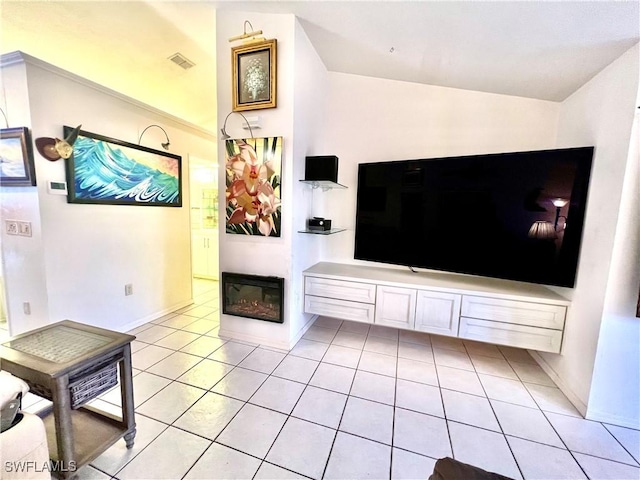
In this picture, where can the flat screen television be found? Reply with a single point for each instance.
(516, 216)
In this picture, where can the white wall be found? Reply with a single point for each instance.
(372, 119)
(259, 255)
(600, 113)
(89, 252)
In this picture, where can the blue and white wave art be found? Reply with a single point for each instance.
(108, 174)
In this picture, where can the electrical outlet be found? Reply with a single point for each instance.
(24, 229)
(11, 227)
(128, 289)
(26, 308)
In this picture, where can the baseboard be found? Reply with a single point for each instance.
(614, 419)
(254, 339)
(302, 331)
(153, 316)
(572, 397)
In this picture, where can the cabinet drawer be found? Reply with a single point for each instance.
(511, 311)
(520, 336)
(323, 287)
(343, 309)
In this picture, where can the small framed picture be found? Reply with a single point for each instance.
(254, 76)
(16, 158)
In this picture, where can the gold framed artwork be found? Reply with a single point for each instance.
(254, 75)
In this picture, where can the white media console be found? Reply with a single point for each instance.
(484, 309)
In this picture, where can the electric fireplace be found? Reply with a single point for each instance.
(253, 296)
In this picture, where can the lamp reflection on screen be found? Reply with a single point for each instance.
(542, 230)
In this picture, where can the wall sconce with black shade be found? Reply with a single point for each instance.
(223, 130)
(164, 145)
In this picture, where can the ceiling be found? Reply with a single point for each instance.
(537, 49)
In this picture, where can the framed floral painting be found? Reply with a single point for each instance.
(254, 76)
(253, 170)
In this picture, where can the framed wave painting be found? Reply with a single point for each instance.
(107, 171)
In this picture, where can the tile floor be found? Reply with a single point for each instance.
(348, 401)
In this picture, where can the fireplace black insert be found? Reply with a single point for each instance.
(253, 296)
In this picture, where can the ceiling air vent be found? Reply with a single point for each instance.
(181, 61)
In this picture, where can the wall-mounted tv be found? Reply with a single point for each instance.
(516, 216)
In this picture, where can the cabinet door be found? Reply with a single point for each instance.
(395, 307)
(437, 312)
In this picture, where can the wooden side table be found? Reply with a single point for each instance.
(71, 363)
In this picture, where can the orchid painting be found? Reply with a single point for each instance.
(253, 186)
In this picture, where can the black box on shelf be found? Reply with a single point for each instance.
(319, 224)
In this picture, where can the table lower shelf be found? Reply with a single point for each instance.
(93, 433)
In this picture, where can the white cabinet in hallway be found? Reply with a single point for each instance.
(204, 251)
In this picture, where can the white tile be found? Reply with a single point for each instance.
(153, 334)
(232, 353)
(278, 394)
(220, 462)
(146, 357)
(201, 326)
(118, 455)
(89, 473)
(354, 457)
(417, 371)
(309, 349)
(320, 406)
(542, 462)
(378, 363)
(497, 367)
(344, 356)
(203, 346)
(199, 311)
(272, 472)
(302, 447)
(511, 391)
(530, 373)
(262, 360)
(174, 365)
(177, 340)
(482, 448)
(447, 343)
(205, 374)
(240, 383)
(368, 419)
(333, 377)
(459, 380)
(598, 468)
(421, 433)
(519, 355)
(452, 358)
(137, 346)
(484, 349)
(328, 322)
(171, 402)
(168, 457)
(178, 321)
(209, 415)
(386, 346)
(252, 430)
(413, 351)
(527, 423)
(320, 334)
(215, 333)
(141, 328)
(589, 437)
(419, 397)
(296, 368)
(355, 327)
(629, 438)
(349, 339)
(372, 386)
(420, 338)
(410, 466)
(469, 409)
(384, 332)
(551, 399)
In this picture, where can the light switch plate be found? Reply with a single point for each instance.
(24, 229)
(11, 227)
